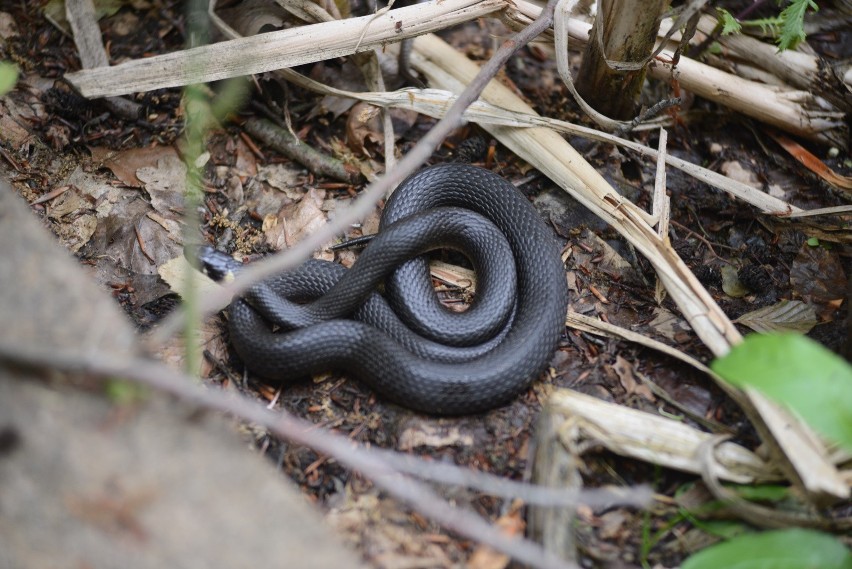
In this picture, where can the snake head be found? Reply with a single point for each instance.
(217, 265)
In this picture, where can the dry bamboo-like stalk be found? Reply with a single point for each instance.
(795, 68)
(326, 40)
(785, 109)
(794, 443)
(652, 438)
(435, 102)
(625, 34)
(779, 108)
(276, 50)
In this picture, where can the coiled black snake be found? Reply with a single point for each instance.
(405, 345)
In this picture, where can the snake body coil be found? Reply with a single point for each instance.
(409, 348)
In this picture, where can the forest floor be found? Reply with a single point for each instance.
(106, 187)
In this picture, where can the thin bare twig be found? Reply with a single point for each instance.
(417, 495)
(361, 207)
(290, 146)
(532, 494)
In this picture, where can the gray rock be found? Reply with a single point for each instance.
(88, 482)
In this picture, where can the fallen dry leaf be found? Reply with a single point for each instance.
(294, 221)
(624, 370)
(811, 162)
(817, 276)
(670, 325)
(246, 161)
(512, 525)
(74, 216)
(166, 184)
(125, 163)
(784, 316)
(364, 132)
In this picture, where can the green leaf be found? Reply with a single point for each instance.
(764, 492)
(813, 241)
(8, 77)
(725, 529)
(730, 25)
(783, 549)
(793, 27)
(798, 372)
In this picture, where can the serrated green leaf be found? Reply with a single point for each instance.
(730, 25)
(785, 316)
(793, 26)
(799, 373)
(782, 549)
(8, 77)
